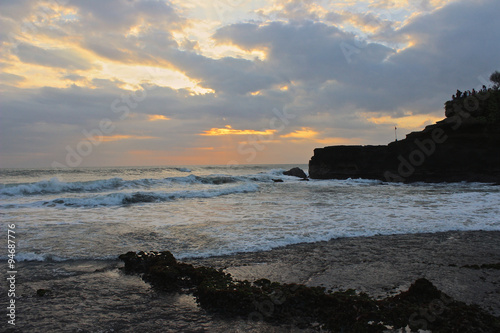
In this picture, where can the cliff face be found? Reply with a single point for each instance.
(463, 147)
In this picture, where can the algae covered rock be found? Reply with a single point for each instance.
(423, 306)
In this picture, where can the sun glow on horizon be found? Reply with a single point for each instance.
(410, 121)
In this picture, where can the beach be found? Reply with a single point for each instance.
(91, 296)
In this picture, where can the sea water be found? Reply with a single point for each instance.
(200, 211)
(71, 224)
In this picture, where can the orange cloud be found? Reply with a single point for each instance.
(228, 130)
(202, 148)
(304, 133)
(339, 141)
(156, 117)
(410, 121)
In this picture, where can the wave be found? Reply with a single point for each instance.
(31, 256)
(183, 169)
(54, 185)
(117, 199)
(48, 257)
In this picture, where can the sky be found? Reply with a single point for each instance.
(229, 82)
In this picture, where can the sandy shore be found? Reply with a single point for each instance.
(382, 265)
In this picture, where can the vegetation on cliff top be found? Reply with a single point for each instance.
(482, 106)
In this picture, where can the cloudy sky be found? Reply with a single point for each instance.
(146, 82)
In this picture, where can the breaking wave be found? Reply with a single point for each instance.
(115, 199)
(56, 186)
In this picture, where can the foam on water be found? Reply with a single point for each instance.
(114, 199)
(216, 210)
(55, 185)
(30, 256)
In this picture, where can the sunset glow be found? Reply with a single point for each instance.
(228, 130)
(304, 133)
(170, 76)
(156, 117)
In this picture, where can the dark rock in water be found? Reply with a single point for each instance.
(465, 146)
(297, 172)
(278, 180)
(423, 306)
(139, 198)
(42, 292)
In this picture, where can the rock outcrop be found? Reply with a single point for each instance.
(296, 172)
(465, 146)
(422, 306)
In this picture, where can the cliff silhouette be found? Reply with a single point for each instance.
(464, 146)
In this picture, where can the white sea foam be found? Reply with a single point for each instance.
(217, 210)
(124, 198)
(30, 256)
(54, 185)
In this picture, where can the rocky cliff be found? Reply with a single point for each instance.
(465, 146)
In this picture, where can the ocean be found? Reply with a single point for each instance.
(71, 225)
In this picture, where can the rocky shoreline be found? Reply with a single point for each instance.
(382, 265)
(91, 296)
(389, 279)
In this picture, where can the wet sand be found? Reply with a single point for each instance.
(382, 265)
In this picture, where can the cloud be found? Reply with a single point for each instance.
(226, 75)
(11, 78)
(118, 137)
(302, 51)
(156, 117)
(340, 88)
(58, 58)
(228, 130)
(121, 15)
(73, 77)
(303, 133)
